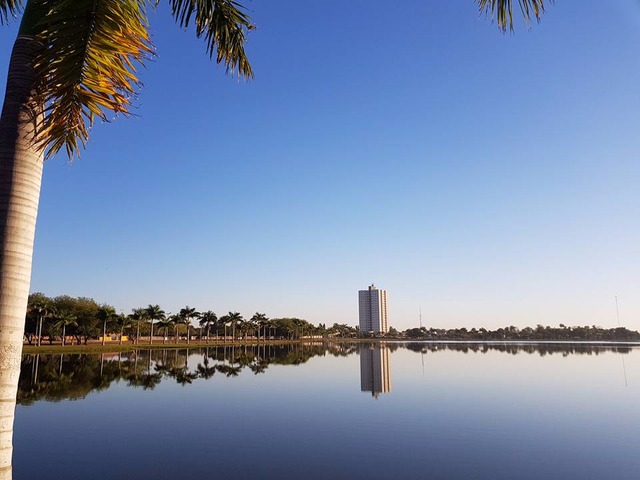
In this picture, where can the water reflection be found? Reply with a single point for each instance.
(542, 349)
(375, 375)
(54, 378)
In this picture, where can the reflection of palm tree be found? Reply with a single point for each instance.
(203, 369)
(65, 319)
(229, 370)
(147, 382)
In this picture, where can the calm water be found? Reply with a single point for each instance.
(403, 411)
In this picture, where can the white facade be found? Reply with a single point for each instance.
(373, 310)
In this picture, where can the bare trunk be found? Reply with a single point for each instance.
(104, 332)
(64, 329)
(20, 178)
(40, 331)
(151, 334)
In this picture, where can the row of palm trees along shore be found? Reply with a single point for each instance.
(67, 320)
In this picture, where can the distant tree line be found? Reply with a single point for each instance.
(540, 333)
(65, 319)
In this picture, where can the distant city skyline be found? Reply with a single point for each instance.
(490, 178)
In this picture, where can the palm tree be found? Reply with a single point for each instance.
(106, 313)
(65, 319)
(260, 320)
(206, 319)
(154, 312)
(224, 320)
(123, 321)
(73, 62)
(138, 315)
(187, 313)
(234, 318)
(164, 325)
(43, 310)
(175, 320)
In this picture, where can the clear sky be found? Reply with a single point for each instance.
(489, 179)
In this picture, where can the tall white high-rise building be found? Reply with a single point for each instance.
(373, 310)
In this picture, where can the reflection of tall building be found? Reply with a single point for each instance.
(373, 310)
(375, 376)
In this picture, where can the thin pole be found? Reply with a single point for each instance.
(624, 367)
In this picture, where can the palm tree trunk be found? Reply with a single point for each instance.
(64, 329)
(40, 331)
(138, 334)
(21, 164)
(151, 334)
(104, 332)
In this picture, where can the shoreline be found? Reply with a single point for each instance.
(129, 346)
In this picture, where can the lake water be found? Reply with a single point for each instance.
(344, 411)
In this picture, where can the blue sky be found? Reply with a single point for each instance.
(490, 179)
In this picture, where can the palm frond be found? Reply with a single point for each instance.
(224, 25)
(502, 10)
(88, 63)
(9, 9)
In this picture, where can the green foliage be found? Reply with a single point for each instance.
(9, 9)
(540, 333)
(502, 10)
(224, 24)
(90, 52)
(82, 316)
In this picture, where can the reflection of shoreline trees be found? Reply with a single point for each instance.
(514, 348)
(71, 377)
